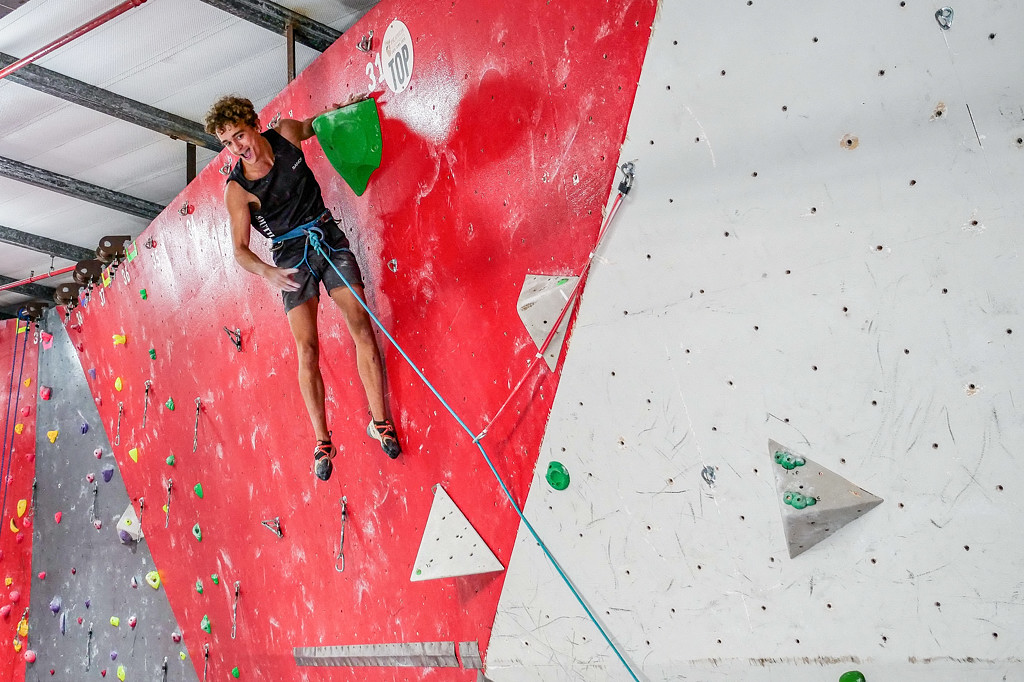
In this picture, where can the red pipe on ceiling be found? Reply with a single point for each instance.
(67, 38)
(69, 268)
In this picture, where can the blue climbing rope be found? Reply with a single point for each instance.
(314, 240)
(8, 452)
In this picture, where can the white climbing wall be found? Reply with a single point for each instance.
(822, 248)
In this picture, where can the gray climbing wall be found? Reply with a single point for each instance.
(822, 248)
(86, 567)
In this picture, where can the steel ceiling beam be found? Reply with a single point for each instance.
(33, 290)
(274, 17)
(52, 247)
(106, 102)
(39, 177)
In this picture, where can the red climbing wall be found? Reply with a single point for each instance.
(498, 159)
(16, 548)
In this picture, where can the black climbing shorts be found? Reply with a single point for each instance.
(316, 269)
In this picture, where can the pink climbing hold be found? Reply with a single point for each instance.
(26, 411)
(42, 575)
(30, 656)
(98, 452)
(45, 392)
(97, 524)
(14, 596)
(133, 621)
(5, 610)
(90, 477)
(56, 517)
(176, 636)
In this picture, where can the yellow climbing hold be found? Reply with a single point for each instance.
(14, 529)
(181, 655)
(17, 645)
(8, 581)
(19, 428)
(22, 506)
(23, 627)
(28, 382)
(115, 621)
(134, 454)
(120, 339)
(153, 580)
(120, 673)
(118, 384)
(52, 435)
(165, 508)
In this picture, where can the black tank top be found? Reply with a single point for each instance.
(289, 194)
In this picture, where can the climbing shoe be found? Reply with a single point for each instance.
(384, 431)
(322, 456)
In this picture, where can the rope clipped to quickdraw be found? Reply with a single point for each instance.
(314, 241)
(8, 444)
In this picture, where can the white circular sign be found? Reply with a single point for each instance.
(396, 56)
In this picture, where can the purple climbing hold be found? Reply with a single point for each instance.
(55, 605)
(85, 428)
(125, 537)
(87, 603)
(108, 473)
(92, 373)
(113, 655)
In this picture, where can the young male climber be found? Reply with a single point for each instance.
(272, 189)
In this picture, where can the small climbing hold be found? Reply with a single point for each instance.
(42, 575)
(80, 620)
(175, 636)
(120, 339)
(132, 622)
(14, 529)
(170, 404)
(19, 428)
(205, 625)
(152, 353)
(8, 581)
(73, 570)
(181, 655)
(22, 507)
(788, 461)
(852, 676)
(197, 532)
(125, 538)
(5, 610)
(234, 672)
(97, 524)
(88, 603)
(23, 627)
(134, 454)
(98, 453)
(115, 621)
(143, 294)
(120, 673)
(85, 428)
(199, 585)
(26, 411)
(557, 476)
(14, 596)
(52, 435)
(57, 517)
(113, 655)
(92, 373)
(108, 473)
(153, 580)
(29, 656)
(28, 382)
(45, 392)
(170, 460)
(135, 581)
(103, 673)
(55, 605)
(198, 489)
(215, 578)
(118, 384)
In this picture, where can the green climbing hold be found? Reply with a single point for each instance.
(143, 294)
(152, 353)
(198, 489)
(558, 476)
(197, 532)
(351, 140)
(215, 578)
(811, 501)
(789, 461)
(562, 281)
(170, 460)
(798, 501)
(852, 676)
(206, 624)
(170, 404)
(199, 585)
(234, 672)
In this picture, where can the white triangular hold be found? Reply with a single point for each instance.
(541, 301)
(815, 501)
(451, 546)
(129, 523)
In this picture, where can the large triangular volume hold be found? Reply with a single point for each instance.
(451, 546)
(540, 303)
(815, 501)
(352, 142)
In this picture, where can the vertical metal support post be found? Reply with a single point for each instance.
(289, 41)
(190, 162)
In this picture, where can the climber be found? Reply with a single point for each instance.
(272, 189)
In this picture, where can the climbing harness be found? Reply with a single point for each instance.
(236, 338)
(339, 561)
(234, 608)
(310, 231)
(274, 525)
(167, 507)
(314, 240)
(145, 404)
(120, 411)
(195, 431)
